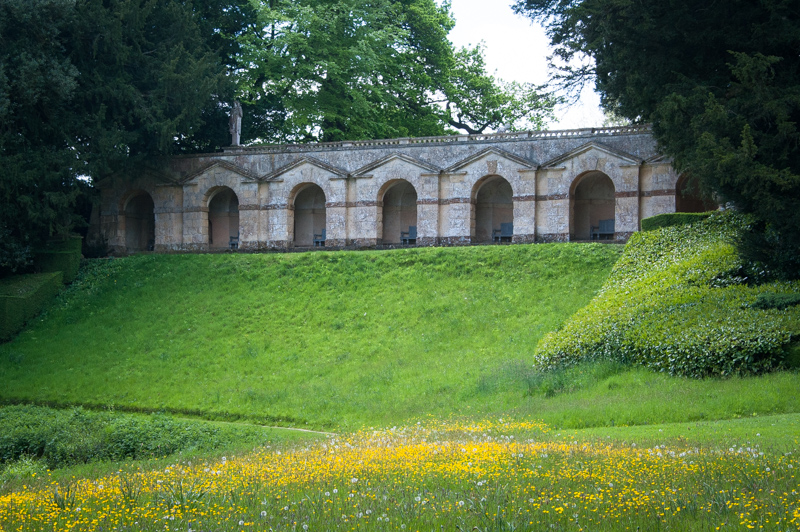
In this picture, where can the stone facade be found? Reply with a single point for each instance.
(552, 185)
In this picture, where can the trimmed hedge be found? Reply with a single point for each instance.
(673, 219)
(60, 256)
(676, 302)
(74, 436)
(66, 262)
(71, 244)
(22, 297)
(779, 301)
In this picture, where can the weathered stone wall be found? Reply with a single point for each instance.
(542, 169)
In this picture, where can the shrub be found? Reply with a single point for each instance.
(60, 256)
(65, 437)
(665, 306)
(770, 300)
(22, 297)
(672, 219)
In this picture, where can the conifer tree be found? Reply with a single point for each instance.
(721, 84)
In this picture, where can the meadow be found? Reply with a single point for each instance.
(418, 364)
(499, 474)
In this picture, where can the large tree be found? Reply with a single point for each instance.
(719, 81)
(90, 87)
(349, 69)
(475, 101)
(37, 83)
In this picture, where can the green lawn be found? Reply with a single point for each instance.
(439, 338)
(337, 339)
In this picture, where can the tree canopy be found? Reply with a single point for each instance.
(90, 87)
(721, 84)
(348, 69)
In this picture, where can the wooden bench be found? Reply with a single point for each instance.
(605, 229)
(410, 236)
(504, 234)
(319, 240)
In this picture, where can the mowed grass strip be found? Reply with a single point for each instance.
(609, 394)
(320, 339)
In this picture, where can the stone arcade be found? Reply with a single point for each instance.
(551, 185)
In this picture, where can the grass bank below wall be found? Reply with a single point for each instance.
(314, 339)
(679, 301)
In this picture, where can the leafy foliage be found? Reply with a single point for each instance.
(74, 436)
(769, 300)
(344, 69)
(37, 85)
(24, 296)
(475, 100)
(676, 302)
(721, 84)
(147, 71)
(673, 218)
(90, 88)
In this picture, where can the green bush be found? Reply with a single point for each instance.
(70, 244)
(669, 305)
(60, 256)
(770, 300)
(66, 262)
(673, 219)
(22, 297)
(64, 437)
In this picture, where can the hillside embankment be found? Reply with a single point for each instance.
(316, 340)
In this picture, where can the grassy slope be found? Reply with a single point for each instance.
(325, 339)
(638, 396)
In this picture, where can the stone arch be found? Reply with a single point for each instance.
(308, 213)
(492, 204)
(591, 200)
(223, 217)
(688, 197)
(397, 210)
(139, 221)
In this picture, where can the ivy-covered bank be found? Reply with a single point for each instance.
(678, 301)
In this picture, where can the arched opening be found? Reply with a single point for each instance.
(494, 211)
(688, 197)
(140, 223)
(399, 212)
(309, 216)
(223, 219)
(592, 207)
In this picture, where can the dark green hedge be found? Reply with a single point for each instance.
(770, 300)
(66, 262)
(62, 255)
(672, 304)
(71, 243)
(73, 436)
(23, 296)
(672, 219)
